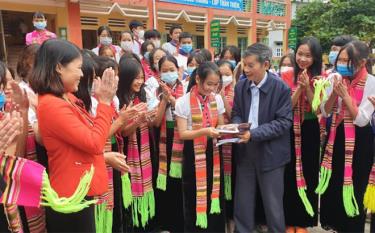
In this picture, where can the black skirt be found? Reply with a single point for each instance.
(332, 212)
(4, 226)
(294, 209)
(82, 221)
(169, 205)
(3, 220)
(215, 222)
(121, 218)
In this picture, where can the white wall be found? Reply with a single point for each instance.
(274, 36)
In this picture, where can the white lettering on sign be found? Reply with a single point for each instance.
(235, 5)
(215, 2)
(224, 3)
(202, 1)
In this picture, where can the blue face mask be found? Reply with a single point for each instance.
(343, 70)
(187, 48)
(233, 63)
(2, 100)
(169, 77)
(332, 57)
(190, 69)
(40, 25)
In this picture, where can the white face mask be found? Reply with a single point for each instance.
(285, 69)
(141, 34)
(157, 43)
(227, 80)
(127, 45)
(105, 40)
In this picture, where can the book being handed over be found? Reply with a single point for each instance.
(228, 129)
(233, 129)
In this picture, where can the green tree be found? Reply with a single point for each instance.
(327, 20)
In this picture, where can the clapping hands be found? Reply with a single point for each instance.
(105, 88)
(10, 127)
(304, 80)
(340, 88)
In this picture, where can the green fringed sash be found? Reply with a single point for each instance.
(305, 201)
(325, 177)
(320, 86)
(201, 220)
(175, 170)
(126, 190)
(71, 204)
(143, 206)
(103, 218)
(215, 206)
(227, 187)
(161, 182)
(350, 203)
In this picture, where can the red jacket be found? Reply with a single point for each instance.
(73, 144)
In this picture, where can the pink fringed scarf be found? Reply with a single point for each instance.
(139, 161)
(204, 114)
(298, 118)
(355, 90)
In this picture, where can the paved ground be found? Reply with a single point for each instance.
(311, 230)
(321, 230)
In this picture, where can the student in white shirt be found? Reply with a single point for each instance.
(186, 47)
(137, 28)
(351, 136)
(173, 45)
(152, 83)
(105, 38)
(198, 113)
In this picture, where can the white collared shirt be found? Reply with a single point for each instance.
(183, 109)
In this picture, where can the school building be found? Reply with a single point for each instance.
(242, 22)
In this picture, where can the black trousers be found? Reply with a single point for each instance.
(82, 221)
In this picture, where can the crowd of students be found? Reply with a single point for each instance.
(142, 119)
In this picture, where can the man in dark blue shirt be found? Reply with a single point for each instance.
(264, 101)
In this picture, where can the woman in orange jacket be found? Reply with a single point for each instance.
(73, 138)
